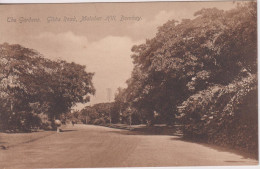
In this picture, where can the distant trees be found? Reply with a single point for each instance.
(120, 106)
(33, 84)
(98, 114)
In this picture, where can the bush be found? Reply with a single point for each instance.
(47, 126)
(21, 121)
(100, 121)
(224, 115)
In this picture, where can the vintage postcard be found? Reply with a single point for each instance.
(128, 84)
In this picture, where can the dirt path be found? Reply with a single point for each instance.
(94, 146)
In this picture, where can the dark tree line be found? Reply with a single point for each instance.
(201, 73)
(31, 85)
(98, 114)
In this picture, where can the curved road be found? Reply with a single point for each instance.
(95, 146)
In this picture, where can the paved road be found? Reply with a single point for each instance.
(94, 146)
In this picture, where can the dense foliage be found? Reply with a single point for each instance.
(223, 114)
(31, 84)
(205, 68)
(98, 114)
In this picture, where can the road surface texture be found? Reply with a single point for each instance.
(95, 146)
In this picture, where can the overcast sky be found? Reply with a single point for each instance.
(104, 47)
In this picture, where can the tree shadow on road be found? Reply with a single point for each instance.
(152, 130)
(67, 130)
(177, 136)
(220, 148)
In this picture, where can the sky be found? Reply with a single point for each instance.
(104, 45)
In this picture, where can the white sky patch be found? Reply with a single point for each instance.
(109, 58)
(65, 46)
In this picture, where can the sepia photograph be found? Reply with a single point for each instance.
(128, 84)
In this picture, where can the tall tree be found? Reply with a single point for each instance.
(187, 57)
(32, 83)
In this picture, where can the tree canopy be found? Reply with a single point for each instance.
(183, 58)
(202, 74)
(32, 83)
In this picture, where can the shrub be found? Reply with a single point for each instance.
(223, 114)
(21, 121)
(47, 125)
(100, 121)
